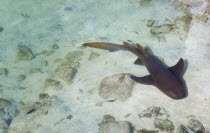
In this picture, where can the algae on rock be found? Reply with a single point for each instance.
(154, 112)
(162, 29)
(109, 125)
(164, 125)
(1, 29)
(21, 77)
(3, 126)
(35, 70)
(55, 46)
(202, 18)
(147, 131)
(25, 53)
(43, 96)
(66, 72)
(181, 7)
(3, 71)
(183, 23)
(4, 103)
(93, 55)
(73, 56)
(51, 82)
(150, 23)
(195, 125)
(145, 2)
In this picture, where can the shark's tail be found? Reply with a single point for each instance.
(107, 46)
(140, 52)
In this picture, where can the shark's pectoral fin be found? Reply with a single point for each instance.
(144, 80)
(178, 68)
(138, 61)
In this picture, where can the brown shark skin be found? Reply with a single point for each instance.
(164, 79)
(167, 80)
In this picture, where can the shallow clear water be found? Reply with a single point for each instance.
(50, 83)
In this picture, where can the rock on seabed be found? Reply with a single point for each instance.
(66, 72)
(162, 29)
(145, 2)
(118, 86)
(25, 53)
(164, 125)
(109, 125)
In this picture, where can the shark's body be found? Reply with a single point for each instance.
(168, 80)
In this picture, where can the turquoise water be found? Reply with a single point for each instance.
(51, 83)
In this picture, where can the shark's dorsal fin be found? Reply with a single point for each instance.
(141, 49)
(138, 61)
(147, 80)
(178, 68)
(128, 45)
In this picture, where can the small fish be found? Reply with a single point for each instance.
(111, 100)
(168, 80)
(31, 111)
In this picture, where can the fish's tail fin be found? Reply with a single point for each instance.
(114, 47)
(107, 46)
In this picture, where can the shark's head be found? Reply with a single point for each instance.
(178, 91)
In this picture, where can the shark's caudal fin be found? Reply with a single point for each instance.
(115, 47)
(107, 46)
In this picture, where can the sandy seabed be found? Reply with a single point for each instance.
(70, 23)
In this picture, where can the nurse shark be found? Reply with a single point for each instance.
(166, 79)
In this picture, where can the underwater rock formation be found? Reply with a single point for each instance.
(150, 23)
(66, 72)
(183, 23)
(208, 9)
(145, 2)
(109, 125)
(193, 125)
(181, 7)
(154, 112)
(1, 88)
(43, 96)
(25, 53)
(3, 126)
(29, 117)
(118, 86)
(202, 18)
(53, 83)
(3, 71)
(147, 131)
(1, 29)
(162, 29)
(55, 46)
(164, 125)
(35, 70)
(8, 111)
(21, 77)
(4, 103)
(68, 69)
(74, 56)
(192, 3)
(93, 55)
